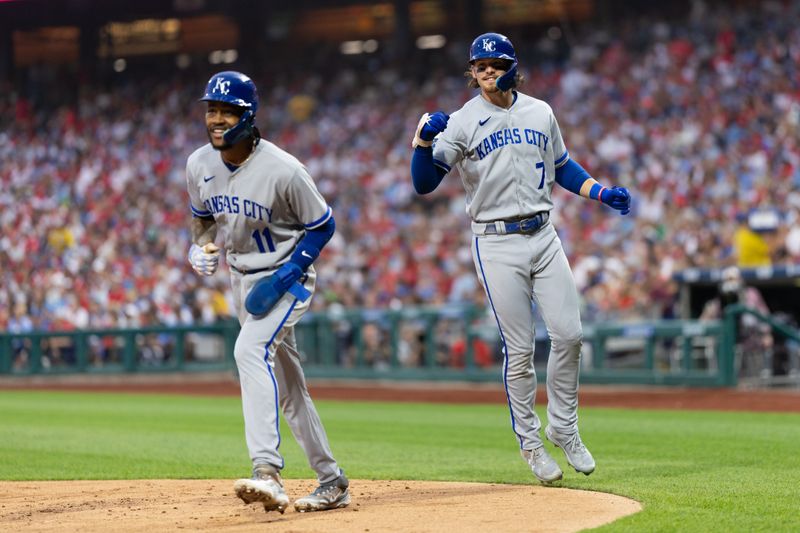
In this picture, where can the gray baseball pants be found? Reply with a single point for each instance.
(516, 270)
(270, 375)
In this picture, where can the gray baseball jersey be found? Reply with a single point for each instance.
(507, 159)
(262, 209)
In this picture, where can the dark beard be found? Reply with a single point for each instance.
(225, 146)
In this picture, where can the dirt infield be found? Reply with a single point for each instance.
(378, 506)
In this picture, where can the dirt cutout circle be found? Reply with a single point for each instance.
(377, 506)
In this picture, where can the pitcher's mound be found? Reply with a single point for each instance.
(377, 506)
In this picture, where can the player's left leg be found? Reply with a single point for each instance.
(557, 298)
(299, 410)
(302, 418)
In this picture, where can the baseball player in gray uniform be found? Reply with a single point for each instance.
(273, 224)
(509, 151)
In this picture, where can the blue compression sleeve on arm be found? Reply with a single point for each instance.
(572, 176)
(311, 244)
(425, 175)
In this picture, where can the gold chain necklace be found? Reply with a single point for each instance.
(246, 159)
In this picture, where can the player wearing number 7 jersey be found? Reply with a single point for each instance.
(508, 148)
(273, 223)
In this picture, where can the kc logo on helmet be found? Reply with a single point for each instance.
(221, 86)
(488, 45)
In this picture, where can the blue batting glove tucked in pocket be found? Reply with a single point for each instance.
(268, 291)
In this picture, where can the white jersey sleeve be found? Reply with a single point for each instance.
(560, 153)
(196, 204)
(306, 201)
(450, 146)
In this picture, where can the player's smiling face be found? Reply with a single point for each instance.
(486, 72)
(219, 118)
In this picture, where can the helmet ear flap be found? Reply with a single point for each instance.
(242, 130)
(508, 80)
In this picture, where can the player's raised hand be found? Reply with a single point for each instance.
(430, 125)
(436, 123)
(617, 198)
(205, 259)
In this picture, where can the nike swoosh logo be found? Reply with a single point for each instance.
(208, 178)
(484, 121)
(306, 254)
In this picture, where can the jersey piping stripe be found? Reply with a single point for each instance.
(441, 164)
(272, 375)
(505, 346)
(561, 160)
(200, 213)
(277, 414)
(320, 221)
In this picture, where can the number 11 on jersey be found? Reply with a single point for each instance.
(260, 243)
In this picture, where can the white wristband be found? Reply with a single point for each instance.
(418, 141)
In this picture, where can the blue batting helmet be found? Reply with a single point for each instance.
(495, 46)
(236, 89)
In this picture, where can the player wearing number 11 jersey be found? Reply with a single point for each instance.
(273, 223)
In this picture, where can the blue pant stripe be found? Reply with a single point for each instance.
(272, 376)
(277, 414)
(503, 340)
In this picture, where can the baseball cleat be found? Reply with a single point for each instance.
(578, 456)
(265, 487)
(331, 495)
(542, 464)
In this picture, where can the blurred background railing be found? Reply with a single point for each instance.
(447, 343)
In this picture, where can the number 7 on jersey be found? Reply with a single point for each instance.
(540, 164)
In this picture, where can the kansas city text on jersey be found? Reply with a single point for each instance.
(506, 136)
(222, 203)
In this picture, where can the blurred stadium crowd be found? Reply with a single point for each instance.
(699, 118)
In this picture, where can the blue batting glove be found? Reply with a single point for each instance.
(436, 123)
(617, 198)
(267, 291)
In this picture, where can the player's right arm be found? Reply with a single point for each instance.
(426, 175)
(203, 253)
(204, 230)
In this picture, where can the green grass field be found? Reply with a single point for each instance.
(693, 471)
